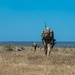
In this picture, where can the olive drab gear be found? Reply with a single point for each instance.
(48, 40)
(34, 45)
(47, 34)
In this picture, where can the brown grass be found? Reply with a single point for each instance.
(28, 62)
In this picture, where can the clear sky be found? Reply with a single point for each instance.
(23, 20)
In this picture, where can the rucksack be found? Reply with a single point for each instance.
(34, 44)
(47, 34)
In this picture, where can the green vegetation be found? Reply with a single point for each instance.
(9, 47)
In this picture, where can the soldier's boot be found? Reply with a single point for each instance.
(48, 49)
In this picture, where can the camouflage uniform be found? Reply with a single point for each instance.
(48, 43)
(34, 45)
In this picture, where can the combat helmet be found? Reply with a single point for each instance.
(48, 28)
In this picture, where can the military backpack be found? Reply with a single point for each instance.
(47, 34)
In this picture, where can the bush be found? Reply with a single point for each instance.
(9, 47)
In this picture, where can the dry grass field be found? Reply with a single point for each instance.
(27, 62)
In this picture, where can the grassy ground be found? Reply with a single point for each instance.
(27, 62)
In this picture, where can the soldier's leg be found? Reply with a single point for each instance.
(45, 48)
(48, 49)
(35, 48)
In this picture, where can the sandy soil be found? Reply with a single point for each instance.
(28, 62)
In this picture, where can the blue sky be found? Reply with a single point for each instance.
(23, 20)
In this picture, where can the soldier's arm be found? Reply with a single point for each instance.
(42, 40)
(52, 35)
(53, 40)
(42, 37)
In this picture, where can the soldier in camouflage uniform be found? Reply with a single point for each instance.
(34, 45)
(48, 40)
